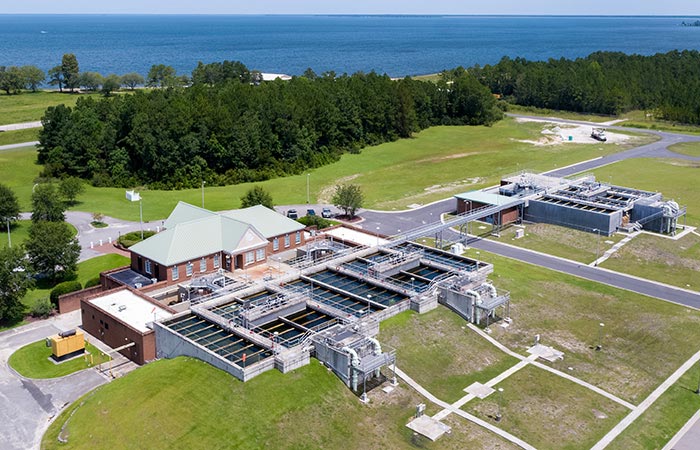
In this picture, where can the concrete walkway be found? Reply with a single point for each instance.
(639, 410)
(19, 145)
(424, 392)
(614, 249)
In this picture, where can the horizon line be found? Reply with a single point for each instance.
(341, 14)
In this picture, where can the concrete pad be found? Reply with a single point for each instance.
(479, 390)
(428, 427)
(546, 353)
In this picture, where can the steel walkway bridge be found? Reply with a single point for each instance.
(459, 220)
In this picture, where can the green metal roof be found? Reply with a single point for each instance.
(197, 238)
(184, 212)
(268, 222)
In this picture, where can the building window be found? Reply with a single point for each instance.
(260, 254)
(148, 266)
(176, 273)
(275, 244)
(286, 240)
(106, 326)
(216, 261)
(189, 269)
(249, 257)
(203, 265)
(297, 239)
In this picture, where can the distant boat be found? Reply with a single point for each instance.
(43, 32)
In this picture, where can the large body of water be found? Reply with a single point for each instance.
(396, 45)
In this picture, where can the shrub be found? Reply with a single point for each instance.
(129, 239)
(92, 282)
(64, 288)
(317, 221)
(42, 307)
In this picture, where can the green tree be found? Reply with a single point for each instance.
(52, 250)
(256, 195)
(349, 198)
(11, 79)
(70, 71)
(110, 84)
(47, 204)
(32, 77)
(9, 206)
(15, 281)
(159, 75)
(133, 79)
(56, 77)
(90, 81)
(70, 188)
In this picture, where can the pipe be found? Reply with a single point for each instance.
(355, 363)
(491, 288)
(376, 344)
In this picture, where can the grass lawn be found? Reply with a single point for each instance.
(165, 405)
(19, 232)
(451, 160)
(657, 258)
(33, 361)
(664, 418)
(686, 148)
(86, 270)
(548, 411)
(16, 137)
(30, 106)
(559, 241)
(645, 340)
(437, 350)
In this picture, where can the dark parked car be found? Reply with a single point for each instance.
(326, 213)
(292, 214)
(310, 212)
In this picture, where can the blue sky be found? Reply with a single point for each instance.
(536, 7)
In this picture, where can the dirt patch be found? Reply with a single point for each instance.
(445, 158)
(557, 133)
(327, 192)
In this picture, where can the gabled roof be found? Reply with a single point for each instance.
(197, 238)
(184, 212)
(268, 222)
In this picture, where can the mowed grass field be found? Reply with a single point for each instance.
(165, 405)
(30, 106)
(644, 340)
(440, 340)
(436, 163)
(19, 136)
(33, 361)
(687, 148)
(548, 411)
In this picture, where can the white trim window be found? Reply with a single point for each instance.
(189, 269)
(176, 272)
(203, 265)
(216, 261)
(260, 254)
(286, 240)
(276, 244)
(147, 267)
(249, 257)
(297, 238)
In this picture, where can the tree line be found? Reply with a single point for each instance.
(228, 127)
(603, 82)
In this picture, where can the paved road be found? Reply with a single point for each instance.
(19, 145)
(20, 126)
(27, 405)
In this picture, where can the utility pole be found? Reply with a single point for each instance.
(141, 216)
(203, 183)
(499, 416)
(9, 238)
(308, 197)
(600, 336)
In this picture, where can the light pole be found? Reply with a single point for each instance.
(377, 236)
(9, 237)
(499, 416)
(203, 183)
(412, 280)
(697, 391)
(597, 248)
(141, 216)
(600, 336)
(308, 180)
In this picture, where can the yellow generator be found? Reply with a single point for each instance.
(66, 344)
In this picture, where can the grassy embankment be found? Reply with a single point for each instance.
(166, 405)
(686, 148)
(32, 361)
(30, 106)
(19, 136)
(435, 164)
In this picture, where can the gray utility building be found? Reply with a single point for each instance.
(581, 203)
